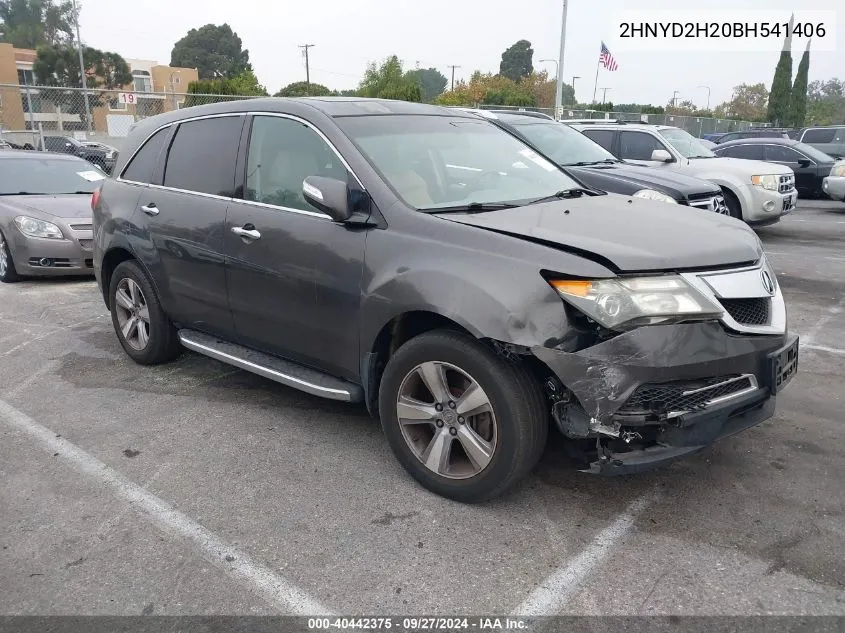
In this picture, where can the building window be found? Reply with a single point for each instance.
(142, 81)
(116, 104)
(26, 77)
(34, 98)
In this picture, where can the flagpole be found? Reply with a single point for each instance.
(595, 85)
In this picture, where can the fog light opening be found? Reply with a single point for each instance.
(45, 261)
(769, 205)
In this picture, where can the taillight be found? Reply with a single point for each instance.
(95, 198)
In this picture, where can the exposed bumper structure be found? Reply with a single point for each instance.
(606, 377)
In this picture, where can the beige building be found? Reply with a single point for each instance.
(156, 88)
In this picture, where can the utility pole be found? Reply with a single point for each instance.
(305, 48)
(453, 67)
(82, 69)
(675, 98)
(604, 94)
(559, 91)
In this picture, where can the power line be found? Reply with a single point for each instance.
(305, 48)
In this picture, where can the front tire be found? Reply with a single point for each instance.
(463, 421)
(734, 207)
(143, 329)
(8, 274)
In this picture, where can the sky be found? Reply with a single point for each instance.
(347, 34)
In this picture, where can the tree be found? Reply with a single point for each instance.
(778, 110)
(490, 90)
(389, 81)
(517, 61)
(544, 89)
(431, 82)
(302, 89)
(798, 101)
(826, 102)
(215, 51)
(246, 83)
(59, 66)
(748, 103)
(34, 23)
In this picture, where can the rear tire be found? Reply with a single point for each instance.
(143, 329)
(8, 274)
(734, 206)
(469, 449)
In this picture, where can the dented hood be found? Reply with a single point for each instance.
(630, 233)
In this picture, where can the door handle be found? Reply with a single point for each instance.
(250, 234)
(150, 209)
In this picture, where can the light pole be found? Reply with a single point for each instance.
(604, 94)
(708, 96)
(559, 91)
(574, 100)
(82, 68)
(675, 98)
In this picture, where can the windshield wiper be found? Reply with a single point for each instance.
(472, 207)
(575, 192)
(584, 163)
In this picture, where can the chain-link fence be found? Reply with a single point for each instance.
(30, 113)
(697, 126)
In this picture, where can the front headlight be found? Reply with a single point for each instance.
(838, 170)
(624, 303)
(767, 181)
(33, 227)
(651, 194)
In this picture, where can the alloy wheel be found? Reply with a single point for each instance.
(447, 420)
(133, 314)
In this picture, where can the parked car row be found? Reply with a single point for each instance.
(99, 154)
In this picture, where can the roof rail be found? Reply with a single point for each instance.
(597, 121)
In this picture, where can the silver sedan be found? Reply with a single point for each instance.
(45, 214)
(834, 184)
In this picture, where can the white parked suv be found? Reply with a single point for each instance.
(755, 191)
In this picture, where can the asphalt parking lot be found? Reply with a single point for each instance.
(195, 488)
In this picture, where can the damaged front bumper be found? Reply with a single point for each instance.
(658, 393)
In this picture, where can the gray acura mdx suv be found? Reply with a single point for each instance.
(427, 263)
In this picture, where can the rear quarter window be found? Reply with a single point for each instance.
(142, 165)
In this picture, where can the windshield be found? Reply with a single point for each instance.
(686, 144)
(815, 154)
(563, 144)
(47, 176)
(435, 162)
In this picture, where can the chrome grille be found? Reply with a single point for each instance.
(711, 203)
(787, 183)
(671, 399)
(748, 311)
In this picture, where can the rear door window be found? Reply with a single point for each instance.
(819, 135)
(602, 137)
(750, 152)
(142, 165)
(202, 156)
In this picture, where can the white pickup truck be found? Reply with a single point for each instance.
(755, 191)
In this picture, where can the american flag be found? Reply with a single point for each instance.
(606, 59)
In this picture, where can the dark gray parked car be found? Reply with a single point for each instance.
(427, 263)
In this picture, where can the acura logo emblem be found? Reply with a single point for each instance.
(768, 284)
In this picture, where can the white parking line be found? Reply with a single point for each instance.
(30, 380)
(277, 591)
(823, 348)
(831, 312)
(551, 596)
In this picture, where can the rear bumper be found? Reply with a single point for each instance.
(603, 377)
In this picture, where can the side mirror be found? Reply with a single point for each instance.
(329, 195)
(661, 155)
(804, 162)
